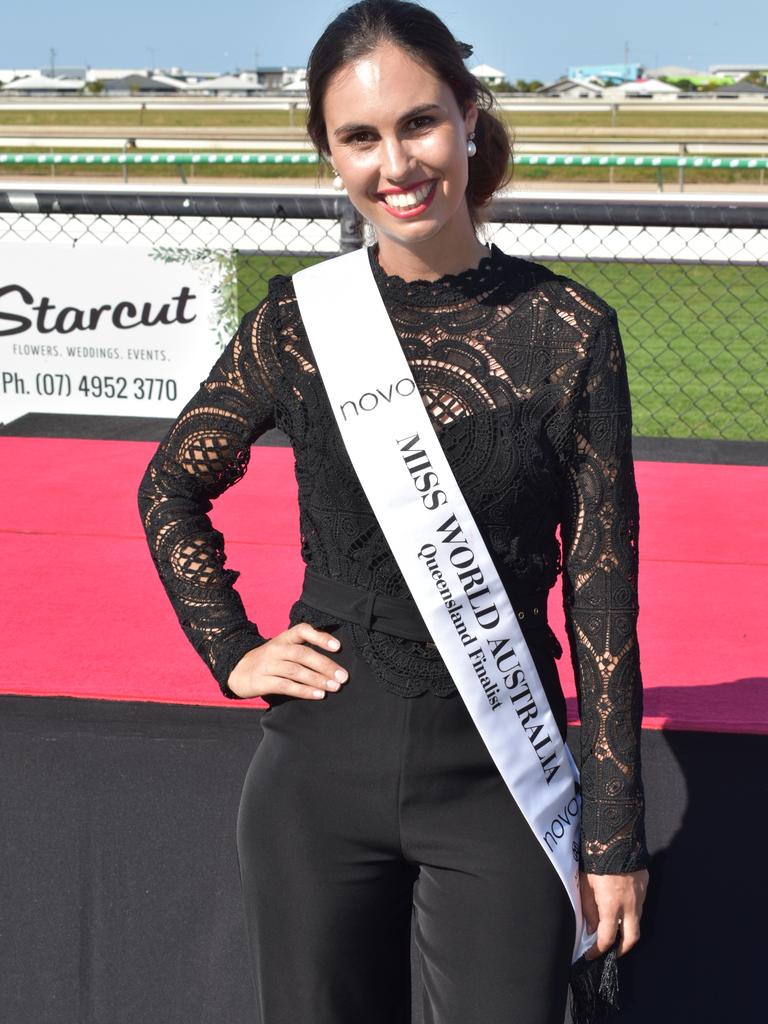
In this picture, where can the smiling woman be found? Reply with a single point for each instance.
(405, 166)
(419, 114)
(424, 372)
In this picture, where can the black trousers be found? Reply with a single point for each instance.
(365, 814)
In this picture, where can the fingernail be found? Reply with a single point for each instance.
(334, 644)
(340, 674)
(318, 693)
(333, 685)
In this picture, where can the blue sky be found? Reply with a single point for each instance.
(527, 40)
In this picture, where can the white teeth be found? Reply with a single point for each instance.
(402, 200)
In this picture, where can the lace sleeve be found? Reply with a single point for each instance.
(600, 529)
(206, 451)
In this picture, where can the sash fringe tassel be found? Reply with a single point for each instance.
(595, 988)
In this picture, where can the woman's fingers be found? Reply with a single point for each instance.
(618, 900)
(630, 933)
(588, 905)
(281, 685)
(287, 665)
(304, 664)
(316, 660)
(323, 676)
(632, 910)
(606, 935)
(305, 633)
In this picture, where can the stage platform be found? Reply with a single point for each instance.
(83, 583)
(121, 764)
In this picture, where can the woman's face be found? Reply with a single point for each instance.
(399, 141)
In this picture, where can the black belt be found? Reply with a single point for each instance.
(396, 615)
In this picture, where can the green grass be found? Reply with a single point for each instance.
(641, 175)
(694, 337)
(682, 117)
(152, 118)
(253, 273)
(679, 117)
(695, 342)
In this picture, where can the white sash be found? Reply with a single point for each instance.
(398, 459)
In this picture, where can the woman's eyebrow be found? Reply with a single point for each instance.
(351, 127)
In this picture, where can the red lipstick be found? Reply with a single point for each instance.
(406, 213)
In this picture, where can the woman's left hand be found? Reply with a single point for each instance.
(610, 903)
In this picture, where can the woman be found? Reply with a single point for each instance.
(371, 798)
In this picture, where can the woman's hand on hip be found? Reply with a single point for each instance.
(611, 903)
(286, 665)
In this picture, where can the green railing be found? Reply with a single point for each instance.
(523, 159)
(190, 161)
(158, 158)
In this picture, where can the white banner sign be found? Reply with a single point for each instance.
(109, 331)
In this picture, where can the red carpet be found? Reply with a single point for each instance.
(86, 615)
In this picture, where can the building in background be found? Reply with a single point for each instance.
(275, 78)
(689, 78)
(139, 84)
(8, 74)
(37, 83)
(643, 88)
(296, 82)
(609, 81)
(492, 77)
(609, 74)
(739, 89)
(244, 84)
(737, 72)
(573, 88)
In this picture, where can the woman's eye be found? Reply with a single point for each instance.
(358, 138)
(364, 138)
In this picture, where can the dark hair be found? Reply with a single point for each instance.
(361, 28)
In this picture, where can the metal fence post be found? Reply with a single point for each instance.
(351, 224)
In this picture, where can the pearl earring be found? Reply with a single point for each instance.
(337, 183)
(471, 147)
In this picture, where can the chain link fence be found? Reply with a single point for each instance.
(689, 279)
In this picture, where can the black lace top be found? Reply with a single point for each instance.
(523, 373)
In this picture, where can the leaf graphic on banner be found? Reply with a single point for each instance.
(218, 269)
